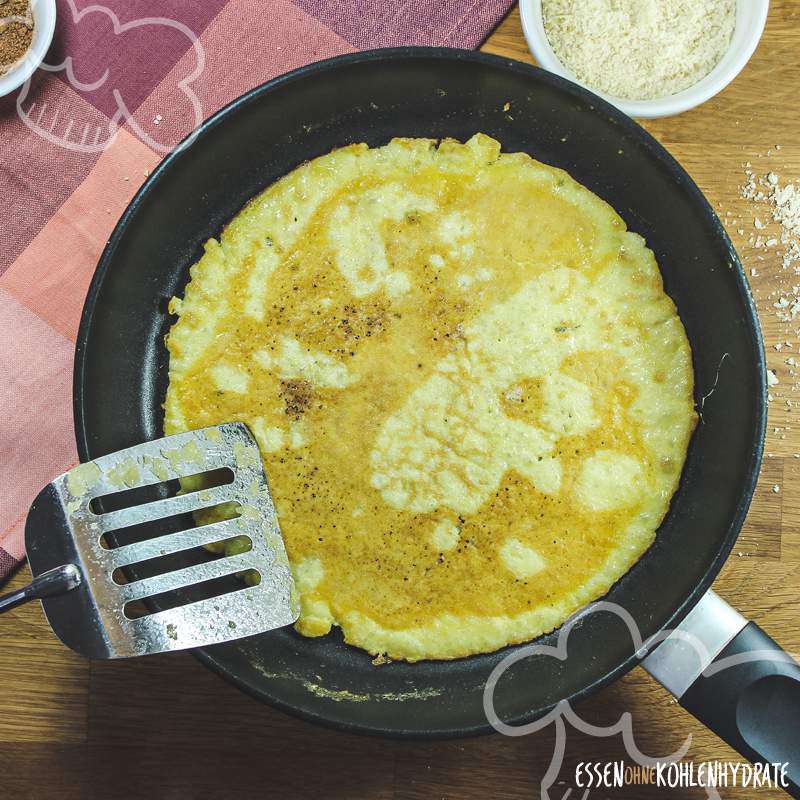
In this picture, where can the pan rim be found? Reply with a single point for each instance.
(598, 105)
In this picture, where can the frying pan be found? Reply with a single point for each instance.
(121, 362)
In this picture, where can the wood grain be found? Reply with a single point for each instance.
(167, 728)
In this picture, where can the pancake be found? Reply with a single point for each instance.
(472, 396)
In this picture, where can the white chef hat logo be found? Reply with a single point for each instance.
(563, 712)
(62, 130)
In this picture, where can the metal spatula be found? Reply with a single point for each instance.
(78, 571)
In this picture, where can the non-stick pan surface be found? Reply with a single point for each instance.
(121, 362)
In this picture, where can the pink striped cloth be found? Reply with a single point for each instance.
(124, 82)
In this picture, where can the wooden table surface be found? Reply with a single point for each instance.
(165, 727)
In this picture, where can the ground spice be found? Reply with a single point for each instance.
(297, 395)
(16, 32)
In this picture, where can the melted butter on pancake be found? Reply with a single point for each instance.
(472, 396)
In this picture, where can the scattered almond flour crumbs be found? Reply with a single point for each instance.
(772, 378)
(767, 235)
(782, 203)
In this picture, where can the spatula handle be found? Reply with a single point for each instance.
(55, 581)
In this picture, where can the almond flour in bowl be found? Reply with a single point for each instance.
(639, 49)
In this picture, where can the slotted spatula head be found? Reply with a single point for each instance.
(65, 526)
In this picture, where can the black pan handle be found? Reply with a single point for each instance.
(739, 682)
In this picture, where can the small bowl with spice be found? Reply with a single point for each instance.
(650, 58)
(26, 31)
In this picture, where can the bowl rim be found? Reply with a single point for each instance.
(44, 13)
(695, 95)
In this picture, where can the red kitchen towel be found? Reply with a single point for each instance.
(124, 82)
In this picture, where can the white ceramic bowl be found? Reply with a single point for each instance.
(751, 15)
(44, 23)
